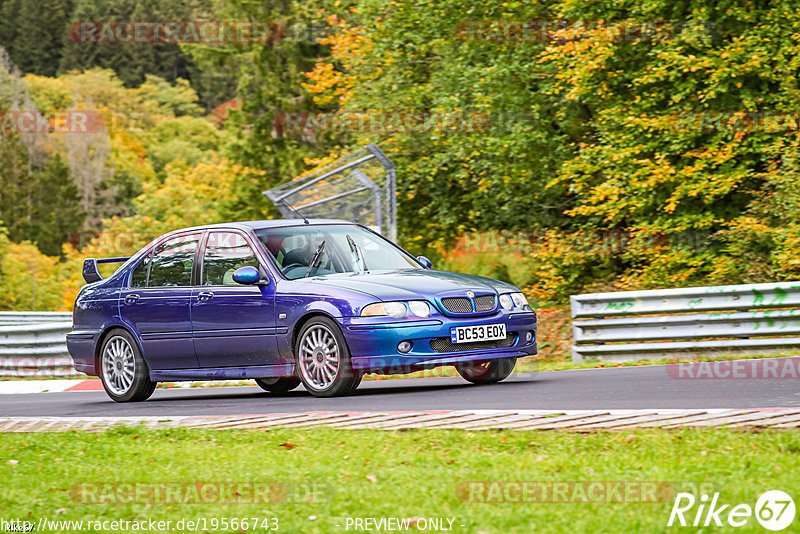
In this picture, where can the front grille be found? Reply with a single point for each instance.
(443, 344)
(484, 303)
(457, 305)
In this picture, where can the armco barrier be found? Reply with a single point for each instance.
(35, 344)
(664, 323)
(23, 317)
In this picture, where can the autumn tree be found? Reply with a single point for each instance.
(269, 75)
(32, 32)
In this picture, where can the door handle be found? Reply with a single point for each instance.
(205, 295)
(131, 299)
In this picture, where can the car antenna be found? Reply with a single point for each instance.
(294, 210)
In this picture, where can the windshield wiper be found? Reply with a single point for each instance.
(316, 258)
(357, 252)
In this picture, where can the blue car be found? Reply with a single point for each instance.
(320, 302)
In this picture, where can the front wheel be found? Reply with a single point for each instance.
(123, 371)
(323, 359)
(487, 372)
(278, 384)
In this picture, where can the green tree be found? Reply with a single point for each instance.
(55, 207)
(468, 122)
(648, 121)
(133, 61)
(14, 186)
(187, 139)
(32, 31)
(269, 84)
(41, 205)
(677, 147)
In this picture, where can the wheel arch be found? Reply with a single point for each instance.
(102, 339)
(303, 320)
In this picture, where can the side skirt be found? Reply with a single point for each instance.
(221, 373)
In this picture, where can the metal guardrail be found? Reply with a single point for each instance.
(7, 318)
(35, 344)
(654, 324)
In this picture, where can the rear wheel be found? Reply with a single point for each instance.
(487, 372)
(278, 384)
(323, 359)
(125, 375)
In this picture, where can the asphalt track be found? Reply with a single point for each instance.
(647, 387)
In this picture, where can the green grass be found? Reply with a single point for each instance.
(394, 474)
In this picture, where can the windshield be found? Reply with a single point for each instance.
(301, 251)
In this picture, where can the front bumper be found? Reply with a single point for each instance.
(373, 341)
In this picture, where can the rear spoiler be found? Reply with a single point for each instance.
(90, 271)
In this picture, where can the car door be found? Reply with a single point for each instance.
(156, 303)
(233, 324)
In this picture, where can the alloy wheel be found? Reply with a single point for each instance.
(119, 365)
(320, 357)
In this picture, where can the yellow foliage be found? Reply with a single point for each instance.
(349, 44)
(189, 196)
(29, 279)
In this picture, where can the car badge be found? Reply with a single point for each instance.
(470, 294)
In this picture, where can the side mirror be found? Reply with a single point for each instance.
(425, 262)
(247, 276)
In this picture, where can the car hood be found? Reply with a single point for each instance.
(412, 284)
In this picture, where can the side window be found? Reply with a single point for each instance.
(226, 252)
(139, 276)
(172, 260)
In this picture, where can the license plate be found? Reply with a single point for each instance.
(485, 332)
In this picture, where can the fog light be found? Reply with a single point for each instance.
(528, 337)
(404, 346)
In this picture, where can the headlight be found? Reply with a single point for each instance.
(506, 301)
(519, 300)
(374, 310)
(419, 308)
(396, 310)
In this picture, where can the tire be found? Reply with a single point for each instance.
(357, 376)
(125, 375)
(278, 384)
(323, 359)
(487, 372)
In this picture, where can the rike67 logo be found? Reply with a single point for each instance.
(774, 510)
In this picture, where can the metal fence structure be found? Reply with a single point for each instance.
(359, 187)
(35, 344)
(664, 323)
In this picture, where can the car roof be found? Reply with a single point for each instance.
(267, 223)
